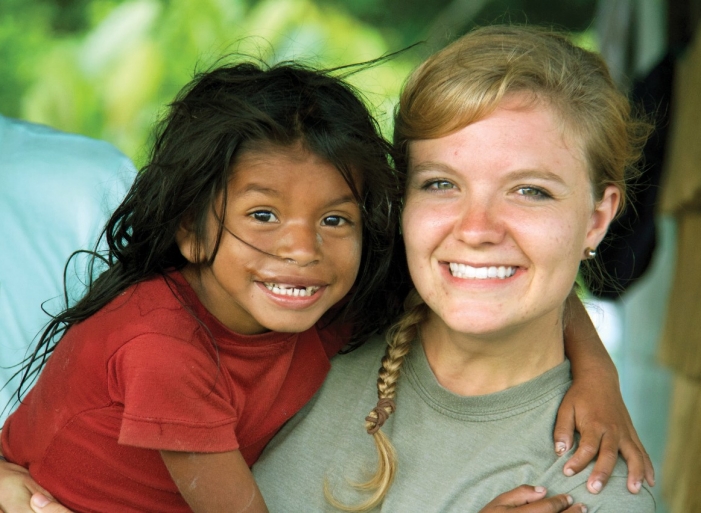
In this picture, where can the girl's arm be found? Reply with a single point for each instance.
(208, 482)
(215, 482)
(594, 407)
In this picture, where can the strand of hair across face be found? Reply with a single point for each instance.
(256, 248)
(399, 339)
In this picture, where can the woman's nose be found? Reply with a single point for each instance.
(478, 224)
(299, 243)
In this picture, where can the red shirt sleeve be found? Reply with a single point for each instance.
(175, 396)
(334, 336)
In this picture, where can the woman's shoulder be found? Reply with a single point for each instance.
(291, 472)
(359, 363)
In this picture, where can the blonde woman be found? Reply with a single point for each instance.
(516, 147)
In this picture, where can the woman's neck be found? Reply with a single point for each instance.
(485, 364)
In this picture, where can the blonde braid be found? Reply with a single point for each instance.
(399, 338)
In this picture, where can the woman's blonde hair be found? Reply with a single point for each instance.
(464, 83)
(467, 81)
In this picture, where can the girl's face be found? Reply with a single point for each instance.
(497, 218)
(290, 203)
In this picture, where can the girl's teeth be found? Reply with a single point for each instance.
(285, 290)
(481, 273)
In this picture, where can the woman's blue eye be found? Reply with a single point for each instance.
(533, 192)
(334, 221)
(439, 185)
(264, 216)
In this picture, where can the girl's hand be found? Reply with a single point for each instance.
(16, 489)
(42, 504)
(530, 499)
(595, 408)
(606, 429)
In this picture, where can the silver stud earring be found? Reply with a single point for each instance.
(589, 253)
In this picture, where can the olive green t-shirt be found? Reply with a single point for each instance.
(455, 453)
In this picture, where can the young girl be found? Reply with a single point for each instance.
(267, 200)
(255, 240)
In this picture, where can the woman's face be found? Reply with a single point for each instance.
(497, 218)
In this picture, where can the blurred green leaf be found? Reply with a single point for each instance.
(107, 68)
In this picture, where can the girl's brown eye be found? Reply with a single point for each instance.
(264, 216)
(334, 221)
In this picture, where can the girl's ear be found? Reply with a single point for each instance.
(187, 242)
(604, 212)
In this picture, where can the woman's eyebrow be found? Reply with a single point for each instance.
(540, 174)
(430, 165)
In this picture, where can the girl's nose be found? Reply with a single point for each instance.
(479, 224)
(299, 243)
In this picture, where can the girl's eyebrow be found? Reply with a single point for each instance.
(261, 189)
(268, 191)
(348, 198)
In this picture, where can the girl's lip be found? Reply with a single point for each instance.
(292, 301)
(292, 281)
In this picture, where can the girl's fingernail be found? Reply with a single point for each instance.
(560, 448)
(637, 485)
(583, 508)
(539, 489)
(569, 472)
(570, 500)
(39, 500)
(596, 486)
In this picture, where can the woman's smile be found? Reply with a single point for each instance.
(477, 272)
(495, 222)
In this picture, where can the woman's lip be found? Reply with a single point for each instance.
(464, 276)
(478, 265)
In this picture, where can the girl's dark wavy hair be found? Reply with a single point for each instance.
(196, 144)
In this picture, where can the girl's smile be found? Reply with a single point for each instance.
(291, 243)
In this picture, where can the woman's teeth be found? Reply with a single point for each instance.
(289, 290)
(481, 273)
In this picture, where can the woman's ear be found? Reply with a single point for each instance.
(604, 212)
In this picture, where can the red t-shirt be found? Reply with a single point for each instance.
(142, 375)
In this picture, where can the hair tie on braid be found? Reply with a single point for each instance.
(385, 407)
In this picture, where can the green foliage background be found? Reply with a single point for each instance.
(107, 68)
(110, 70)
